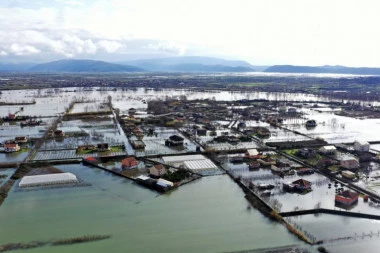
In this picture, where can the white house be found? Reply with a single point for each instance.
(328, 150)
(361, 146)
(157, 170)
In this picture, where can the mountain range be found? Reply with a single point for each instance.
(323, 70)
(175, 64)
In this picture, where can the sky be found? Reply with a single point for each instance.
(261, 32)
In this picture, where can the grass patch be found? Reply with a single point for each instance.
(292, 152)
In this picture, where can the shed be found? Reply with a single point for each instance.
(330, 149)
(361, 146)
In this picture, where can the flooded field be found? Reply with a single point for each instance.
(207, 215)
(138, 219)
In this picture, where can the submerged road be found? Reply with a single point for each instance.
(128, 148)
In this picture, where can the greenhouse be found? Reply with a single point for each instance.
(49, 179)
(204, 164)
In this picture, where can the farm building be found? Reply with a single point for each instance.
(328, 150)
(177, 161)
(49, 179)
(361, 146)
(346, 198)
(198, 165)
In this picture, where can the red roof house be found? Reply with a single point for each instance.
(346, 198)
(129, 163)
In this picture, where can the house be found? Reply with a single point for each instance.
(201, 132)
(174, 140)
(361, 146)
(306, 153)
(298, 185)
(21, 139)
(350, 164)
(136, 144)
(59, 133)
(328, 150)
(157, 170)
(11, 116)
(311, 123)
(252, 153)
(132, 110)
(11, 147)
(103, 147)
(346, 198)
(129, 163)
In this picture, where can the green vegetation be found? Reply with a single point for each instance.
(82, 239)
(177, 176)
(5, 189)
(292, 152)
(333, 168)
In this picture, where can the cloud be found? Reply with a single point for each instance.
(313, 32)
(109, 46)
(23, 49)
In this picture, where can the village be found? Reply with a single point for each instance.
(267, 147)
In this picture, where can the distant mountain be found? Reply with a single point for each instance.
(77, 66)
(323, 69)
(191, 64)
(15, 67)
(206, 68)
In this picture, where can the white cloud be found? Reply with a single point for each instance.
(23, 49)
(109, 46)
(3, 53)
(313, 32)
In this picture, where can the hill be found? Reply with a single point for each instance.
(76, 66)
(191, 64)
(15, 67)
(323, 69)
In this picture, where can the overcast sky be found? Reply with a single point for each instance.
(266, 32)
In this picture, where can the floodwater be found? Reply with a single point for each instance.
(208, 215)
(364, 232)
